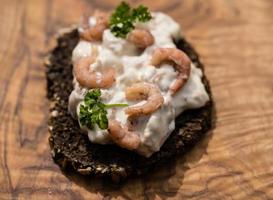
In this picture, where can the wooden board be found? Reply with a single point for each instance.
(235, 41)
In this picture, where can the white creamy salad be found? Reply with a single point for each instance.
(132, 66)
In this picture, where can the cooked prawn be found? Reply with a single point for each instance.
(182, 65)
(94, 33)
(123, 136)
(143, 91)
(93, 79)
(141, 38)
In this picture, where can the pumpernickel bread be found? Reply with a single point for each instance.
(72, 149)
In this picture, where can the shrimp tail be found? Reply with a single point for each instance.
(182, 65)
(95, 32)
(141, 38)
(122, 136)
(90, 78)
(143, 91)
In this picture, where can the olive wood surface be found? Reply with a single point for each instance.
(235, 43)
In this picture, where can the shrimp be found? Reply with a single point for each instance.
(94, 33)
(141, 38)
(123, 136)
(92, 79)
(141, 91)
(182, 65)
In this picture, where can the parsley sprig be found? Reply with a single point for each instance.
(123, 18)
(93, 111)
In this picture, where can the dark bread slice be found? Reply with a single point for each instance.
(71, 149)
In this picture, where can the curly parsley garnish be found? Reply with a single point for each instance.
(93, 111)
(123, 18)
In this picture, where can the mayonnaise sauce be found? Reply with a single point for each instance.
(131, 67)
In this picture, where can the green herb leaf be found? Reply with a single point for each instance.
(93, 111)
(123, 18)
(141, 13)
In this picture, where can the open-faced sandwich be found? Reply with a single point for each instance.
(127, 92)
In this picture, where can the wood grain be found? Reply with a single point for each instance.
(234, 39)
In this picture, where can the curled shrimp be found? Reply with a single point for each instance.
(182, 65)
(94, 33)
(123, 136)
(92, 79)
(143, 91)
(141, 38)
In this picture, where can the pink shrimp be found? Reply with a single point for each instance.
(123, 136)
(141, 38)
(182, 65)
(92, 79)
(143, 91)
(94, 33)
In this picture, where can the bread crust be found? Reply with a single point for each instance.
(71, 149)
